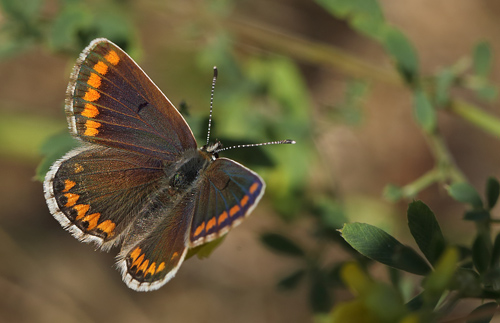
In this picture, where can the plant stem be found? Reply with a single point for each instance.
(476, 116)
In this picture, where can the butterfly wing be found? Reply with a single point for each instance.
(223, 195)
(111, 101)
(96, 193)
(150, 258)
(228, 192)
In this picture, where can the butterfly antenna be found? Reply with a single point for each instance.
(280, 142)
(211, 104)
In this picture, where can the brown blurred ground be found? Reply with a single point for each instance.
(47, 276)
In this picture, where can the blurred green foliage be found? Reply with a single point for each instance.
(262, 97)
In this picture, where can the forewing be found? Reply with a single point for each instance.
(228, 193)
(96, 193)
(111, 101)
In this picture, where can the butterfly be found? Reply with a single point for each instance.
(138, 181)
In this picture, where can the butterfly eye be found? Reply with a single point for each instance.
(177, 180)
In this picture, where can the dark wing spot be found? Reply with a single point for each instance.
(142, 106)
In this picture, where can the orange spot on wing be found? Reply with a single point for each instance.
(107, 226)
(151, 269)
(134, 254)
(68, 184)
(91, 128)
(78, 168)
(199, 229)
(235, 209)
(112, 57)
(138, 261)
(72, 198)
(222, 217)
(211, 223)
(91, 95)
(160, 267)
(94, 80)
(90, 111)
(92, 219)
(81, 209)
(101, 68)
(144, 266)
(175, 255)
(244, 201)
(254, 187)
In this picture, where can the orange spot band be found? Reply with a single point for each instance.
(134, 254)
(199, 229)
(68, 184)
(92, 219)
(101, 68)
(244, 201)
(222, 217)
(81, 210)
(254, 187)
(138, 261)
(211, 223)
(151, 269)
(160, 267)
(90, 111)
(144, 266)
(91, 95)
(91, 128)
(235, 209)
(72, 198)
(78, 168)
(94, 80)
(112, 57)
(107, 226)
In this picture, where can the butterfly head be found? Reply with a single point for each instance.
(212, 148)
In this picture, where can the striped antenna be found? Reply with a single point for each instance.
(211, 103)
(280, 142)
(213, 148)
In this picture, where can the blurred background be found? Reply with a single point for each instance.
(295, 69)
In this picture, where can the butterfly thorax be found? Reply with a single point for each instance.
(185, 172)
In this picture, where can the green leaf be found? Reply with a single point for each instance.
(441, 278)
(378, 245)
(495, 254)
(398, 45)
(415, 303)
(492, 192)
(426, 231)
(66, 26)
(424, 112)
(385, 302)
(483, 313)
(319, 295)
(482, 59)
(465, 193)
(291, 281)
(468, 282)
(481, 252)
(487, 91)
(477, 215)
(52, 149)
(205, 250)
(281, 244)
